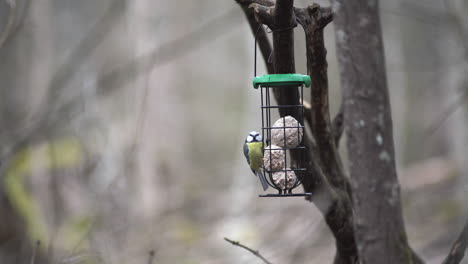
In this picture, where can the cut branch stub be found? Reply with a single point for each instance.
(263, 14)
(318, 16)
(277, 18)
(322, 15)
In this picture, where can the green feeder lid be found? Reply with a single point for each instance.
(274, 80)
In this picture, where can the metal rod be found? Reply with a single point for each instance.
(286, 195)
(283, 106)
(285, 127)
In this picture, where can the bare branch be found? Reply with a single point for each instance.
(459, 25)
(313, 19)
(445, 115)
(255, 252)
(339, 217)
(457, 252)
(8, 28)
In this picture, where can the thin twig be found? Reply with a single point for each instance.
(457, 252)
(35, 249)
(461, 99)
(151, 257)
(255, 252)
(445, 115)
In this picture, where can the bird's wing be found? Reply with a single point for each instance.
(246, 152)
(263, 180)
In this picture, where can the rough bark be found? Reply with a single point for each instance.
(338, 126)
(314, 19)
(379, 226)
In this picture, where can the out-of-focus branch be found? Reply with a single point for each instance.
(171, 50)
(18, 18)
(446, 113)
(255, 252)
(115, 78)
(463, 35)
(8, 29)
(48, 118)
(457, 252)
(84, 49)
(459, 25)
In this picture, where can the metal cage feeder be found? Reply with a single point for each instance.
(283, 138)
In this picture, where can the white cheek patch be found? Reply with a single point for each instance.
(249, 138)
(259, 138)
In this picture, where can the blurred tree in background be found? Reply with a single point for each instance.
(123, 121)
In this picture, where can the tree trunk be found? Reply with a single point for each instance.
(378, 223)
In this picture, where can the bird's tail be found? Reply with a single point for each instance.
(263, 180)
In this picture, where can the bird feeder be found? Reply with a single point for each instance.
(284, 151)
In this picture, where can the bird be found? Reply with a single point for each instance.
(253, 152)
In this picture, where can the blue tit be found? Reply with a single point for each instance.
(253, 152)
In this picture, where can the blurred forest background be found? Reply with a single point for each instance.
(122, 124)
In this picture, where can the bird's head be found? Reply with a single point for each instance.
(253, 136)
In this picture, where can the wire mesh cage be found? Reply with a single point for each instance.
(284, 150)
